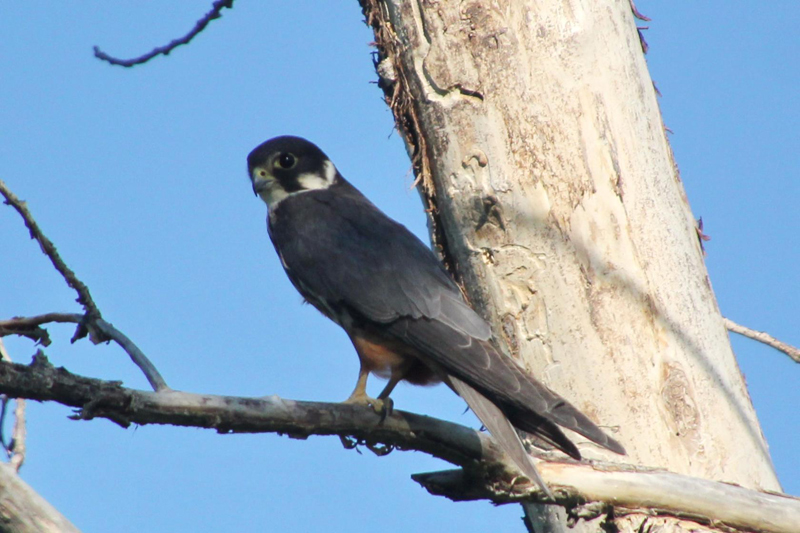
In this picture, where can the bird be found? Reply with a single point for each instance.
(405, 316)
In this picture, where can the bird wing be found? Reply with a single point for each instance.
(528, 404)
(385, 275)
(381, 270)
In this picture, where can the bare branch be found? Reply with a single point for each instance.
(766, 338)
(96, 398)
(49, 249)
(638, 490)
(637, 14)
(487, 472)
(30, 327)
(90, 323)
(18, 436)
(16, 447)
(199, 26)
(99, 331)
(137, 356)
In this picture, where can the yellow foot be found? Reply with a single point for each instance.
(383, 407)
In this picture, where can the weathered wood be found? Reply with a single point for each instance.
(589, 492)
(543, 152)
(541, 155)
(23, 510)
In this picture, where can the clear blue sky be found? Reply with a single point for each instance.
(139, 178)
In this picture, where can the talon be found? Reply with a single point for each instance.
(366, 401)
(382, 407)
(386, 408)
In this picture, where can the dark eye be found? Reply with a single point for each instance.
(286, 161)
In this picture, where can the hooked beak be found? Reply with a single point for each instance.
(261, 184)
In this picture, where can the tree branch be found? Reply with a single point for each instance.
(637, 490)
(200, 25)
(96, 398)
(91, 323)
(764, 337)
(49, 249)
(15, 448)
(487, 473)
(31, 327)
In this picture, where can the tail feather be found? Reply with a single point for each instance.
(542, 428)
(559, 411)
(501, 429)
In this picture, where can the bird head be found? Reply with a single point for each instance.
(285, 166)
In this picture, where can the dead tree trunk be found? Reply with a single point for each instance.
(23, 510)
(538, 143)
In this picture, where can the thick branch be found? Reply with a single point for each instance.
(199, 26)
(641, 491)
(96, 398)
(487, 474)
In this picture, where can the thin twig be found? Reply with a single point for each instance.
(18, 435)
(30, 327)
(637, 14)
(23, 326)
(137, 356)
(15, 448)
(90, 323)
(49, 249)
(766, 338)
(199, 26)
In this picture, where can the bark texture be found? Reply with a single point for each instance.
(22, 510)
(536, 134)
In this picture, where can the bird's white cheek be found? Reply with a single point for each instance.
(329, 172)
(312, 181)
(318, 180)
(272, 195)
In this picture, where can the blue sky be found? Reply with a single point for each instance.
(139, 177)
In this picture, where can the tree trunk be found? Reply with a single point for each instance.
(538, 142)
(23, 510)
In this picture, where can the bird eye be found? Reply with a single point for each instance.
(286, 161)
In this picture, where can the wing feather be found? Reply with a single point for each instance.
(382, 271)
(527, 403)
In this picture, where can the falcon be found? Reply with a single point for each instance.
(406, 318)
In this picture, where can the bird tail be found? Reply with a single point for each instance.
(501, 429)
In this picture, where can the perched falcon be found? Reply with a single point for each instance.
(406, 318)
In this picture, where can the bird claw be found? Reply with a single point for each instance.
(386, 408)
(382, 406)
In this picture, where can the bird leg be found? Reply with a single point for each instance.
(383, 397)
(398, 374)
(359, 395)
